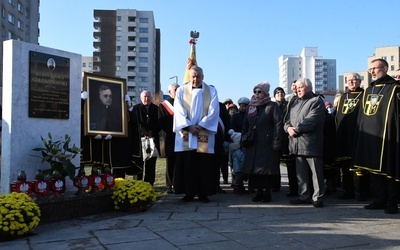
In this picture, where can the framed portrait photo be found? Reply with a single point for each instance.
(105, 111)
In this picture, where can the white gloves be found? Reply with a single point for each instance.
(84, 95)
(98, 137)
(128, 100)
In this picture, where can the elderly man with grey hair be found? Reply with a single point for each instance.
(305, 126)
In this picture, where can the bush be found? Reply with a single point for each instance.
(19, 215)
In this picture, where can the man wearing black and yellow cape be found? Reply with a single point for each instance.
(377, 141)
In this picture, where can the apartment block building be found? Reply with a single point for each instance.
(127, 45)
(321, 72)
(19, 21)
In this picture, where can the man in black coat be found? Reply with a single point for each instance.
(144, 123)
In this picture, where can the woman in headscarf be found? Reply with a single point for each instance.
(261, 161)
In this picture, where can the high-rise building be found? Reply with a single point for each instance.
(127, 45)
(87, 64)
(321, 72)
(20, 21)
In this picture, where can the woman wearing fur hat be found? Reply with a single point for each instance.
(261, 160)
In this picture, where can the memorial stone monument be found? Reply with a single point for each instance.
(41, 95)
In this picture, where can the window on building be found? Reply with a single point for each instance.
(143, 39)
(131, 18)
(131, 38)
(9, 35)
(10, 18)
(119, 28)
(392, 58)
(119, 18)
(143, 49)
(118, 48)
(19, 24)
(143, 69)
(392, 68)
(142, 88)
(131, 89)
(11, 2)
(3, 31)
(143, 30)
(131, 58)
(118, 38)
(143, 59)
(384, 58)
(3, 12)
(131, 68)
(143, 20)
(131, 78)
(131, 29)
(20, 7)
(131, 48)
(118, 58)
(90, 64)
(84, 64)
(143, 79)
(118, 68)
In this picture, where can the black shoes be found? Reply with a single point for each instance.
(300, 202)
(203, 198)
(187, 198)
(258, 197)
(347, 196)
(170, 190)
(292, 194)
(363, 197)
(262, 196)
(318, 204)
(239, 190)
(220, 190)
(391, 209)
(375, 206)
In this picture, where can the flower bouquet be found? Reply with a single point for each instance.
(132, 194)
(19, 215)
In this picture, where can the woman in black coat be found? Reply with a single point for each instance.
(261, 160)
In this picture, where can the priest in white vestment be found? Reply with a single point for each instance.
(196, 115)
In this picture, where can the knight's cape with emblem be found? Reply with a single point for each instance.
(377, 140)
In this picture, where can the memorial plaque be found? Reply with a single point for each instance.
(49, 86)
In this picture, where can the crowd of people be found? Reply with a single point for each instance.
(355, 140)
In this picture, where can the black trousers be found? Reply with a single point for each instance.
(170, 173)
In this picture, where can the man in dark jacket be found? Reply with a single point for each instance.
(305, 126)
(377, 144)
(144, 123)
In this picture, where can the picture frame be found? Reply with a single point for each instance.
(105, 111)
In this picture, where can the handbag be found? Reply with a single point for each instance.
(248, 138)
(149, 149)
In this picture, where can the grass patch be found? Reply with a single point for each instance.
(160, 184)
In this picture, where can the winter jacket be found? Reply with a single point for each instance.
(307, 116)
